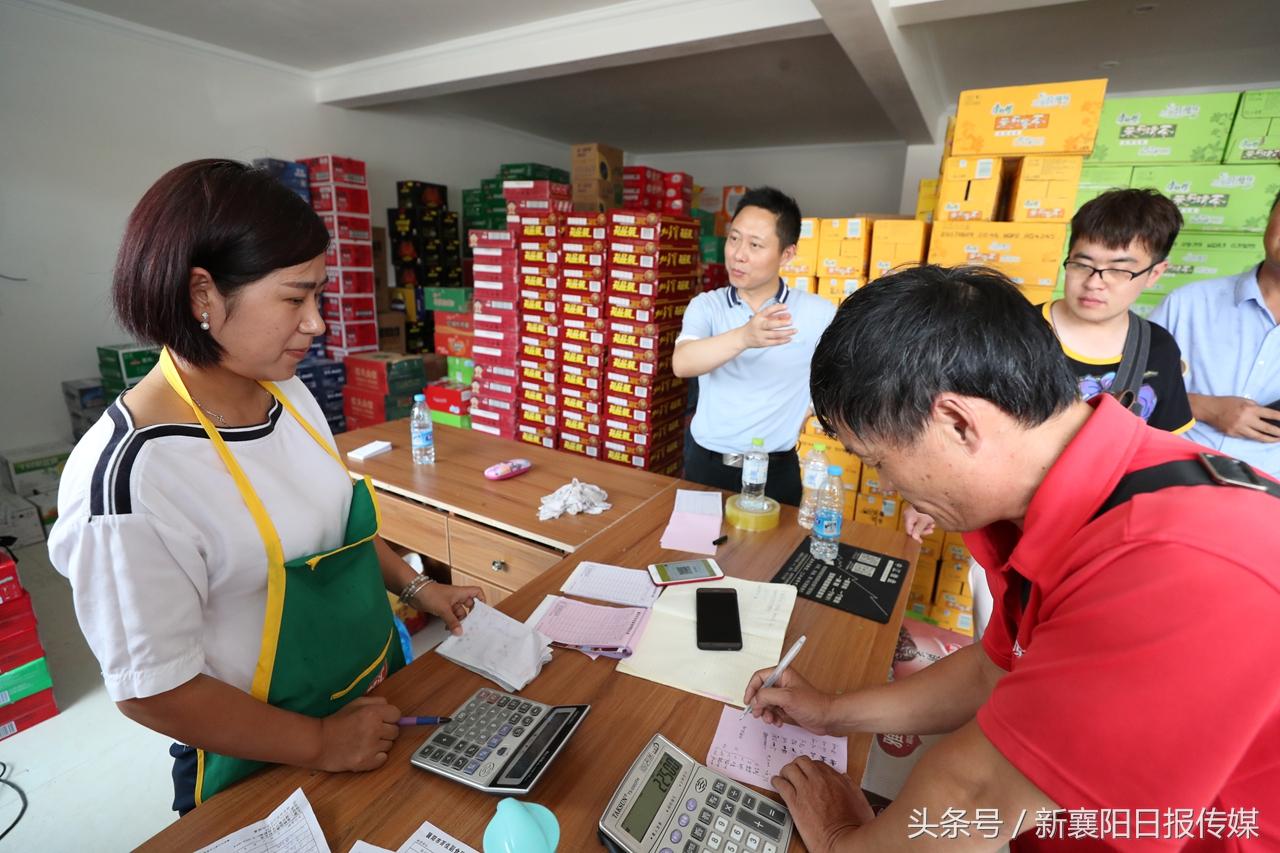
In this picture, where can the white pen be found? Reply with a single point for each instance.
(778, 670)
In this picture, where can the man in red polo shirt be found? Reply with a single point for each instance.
(1125, 694)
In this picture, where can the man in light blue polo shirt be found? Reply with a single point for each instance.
(1227, 331)
(750, 345)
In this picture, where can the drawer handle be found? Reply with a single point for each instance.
(499, 565)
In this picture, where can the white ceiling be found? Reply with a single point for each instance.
(1179, 44)
(318, 34)
(794, 92)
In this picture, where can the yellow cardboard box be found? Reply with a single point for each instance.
(930, 550)
(809, 237)
(926, 575)
(953, 620)
(948, 585)
(918, 602)
(953, 548)
(1046, 188)
(1029, 253)
(1044, 118)
(840, 286)
(936, 536)
(812, 427)
(969, 189)
(830, 266)
(807, 283)
(895, 243)
(871, 483)
(1036, 295)
(926, 199)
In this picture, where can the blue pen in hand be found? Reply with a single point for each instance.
(425, 721)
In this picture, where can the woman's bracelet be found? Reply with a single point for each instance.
(413, 587)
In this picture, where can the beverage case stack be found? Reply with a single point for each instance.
(582, 331)
(653, 262)
(495, 318)
(26, 688)
(426, 253)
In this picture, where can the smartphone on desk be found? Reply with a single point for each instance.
(719, 628)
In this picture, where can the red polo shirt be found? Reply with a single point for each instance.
(1144, 675)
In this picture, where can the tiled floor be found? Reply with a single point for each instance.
(95, 780)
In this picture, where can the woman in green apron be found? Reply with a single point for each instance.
(227, 574)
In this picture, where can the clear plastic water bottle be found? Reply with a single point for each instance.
(421, 435)
(755, 472)
(824, 542)
(813, 471)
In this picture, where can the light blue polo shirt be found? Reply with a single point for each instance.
(1231, 344)
(764, 392)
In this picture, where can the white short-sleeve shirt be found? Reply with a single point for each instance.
(166, 565)
(764, 392)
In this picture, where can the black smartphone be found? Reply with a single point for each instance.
(718, 625)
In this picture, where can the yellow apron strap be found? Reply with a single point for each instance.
(266, 530)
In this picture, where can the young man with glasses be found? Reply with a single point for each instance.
(1119, 242)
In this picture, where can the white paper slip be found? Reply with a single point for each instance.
(602, 582)
(291, 828)
(752, 751)
(498, 647)
(594, 629)
(366, 847)
(697, 502)
(432, 839)
(668, 650)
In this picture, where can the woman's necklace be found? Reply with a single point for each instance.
(217, 417)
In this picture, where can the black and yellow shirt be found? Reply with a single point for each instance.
(1163, 395)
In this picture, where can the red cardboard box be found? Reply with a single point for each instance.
(343, 253)
(497, 373)
(522, 190)
(536, 371)
(11, 588)
(580, 382)
(539, 303)
(639, 285)
(646, 226)
(352, 336)
(579, 406)
(653, 259)
(541, 342)
(538, 277)
(500, 406)
(582, 336)
(584, 228)
(538, 257)
(535, 227)
(454, 343)
(657, 435)
(339, 199)
(630, 336)
(447, 321)
(637, 362)
(486, 239)
(354, 308)
(641, 391)
(25, 713)
(536, 352)
(541, 436)
(643, 416)
(583, 309)
(582, 423)
(539, 243)
(486, 323)
(371, 406)
(451, 397)
(627, 454)
(490, 305)
(484, 352)
(494, 256)
(582, 256)
(539, 326)
(500, 419)
(528, 208)
(495, 389)
(379, 372)
(334, 169)
(589, 282)
(578, 356)
(348, 226)
(497, 288)
(571, 442)
(345, 282)
(638, 311)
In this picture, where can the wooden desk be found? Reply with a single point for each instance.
(449, 512)
(385, 806)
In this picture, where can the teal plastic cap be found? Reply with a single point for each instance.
(519, 827)
(419, 398)
(835, 470)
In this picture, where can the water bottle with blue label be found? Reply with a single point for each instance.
(824, 542)
(421, 434)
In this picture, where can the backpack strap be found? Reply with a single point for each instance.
(1207, 469)
(1133, 364)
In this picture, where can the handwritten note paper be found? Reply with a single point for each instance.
(695, 522)
(752, 751)
(595, 629)
(498, 647)
(291, 828)
(614, 584)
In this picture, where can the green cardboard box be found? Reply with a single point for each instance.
(1255, 136)
(34, 468)
(23, 681)
(1096, 180)
(446, 419)
(1216, 197)
(1170, 129)
(1199, 255)
(491, 188)
(460, 370)
(1146, 303)
(524, 172)
(127, 361)
(712, 248)
(472, 195)
(455, 299)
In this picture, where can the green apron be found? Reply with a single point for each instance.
(328, 636)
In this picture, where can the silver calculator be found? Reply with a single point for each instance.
(669, 803)
(498, 742)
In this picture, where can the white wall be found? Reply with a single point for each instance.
(91, 114)
(827, 180)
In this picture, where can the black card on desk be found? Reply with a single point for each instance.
(860, 582)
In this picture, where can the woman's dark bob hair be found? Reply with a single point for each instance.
(237, 222)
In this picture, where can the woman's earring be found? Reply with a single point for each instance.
(204, 320)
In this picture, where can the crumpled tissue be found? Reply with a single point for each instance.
(573, 498)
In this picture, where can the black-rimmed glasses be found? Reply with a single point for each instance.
(1111, 276)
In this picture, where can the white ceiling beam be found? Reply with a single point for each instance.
(894, 64)
(907, 12)
(620, 34)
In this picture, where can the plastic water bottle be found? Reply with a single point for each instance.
(421, 436)
(824, 542)
(755, 472)
(812, 474)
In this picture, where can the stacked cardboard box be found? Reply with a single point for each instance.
(642, 188)
(582, 334)
(30, 475)
(652, 274)
(26, 689)
(339, 186)
(596, 171)
(380, 387)
(293, 175)
(496, 324)
(325, 379)
(123, 365)
(1255, 134)
(86, 401)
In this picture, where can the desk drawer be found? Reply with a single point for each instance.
(492, 594)
(474, 549)
(414, 526)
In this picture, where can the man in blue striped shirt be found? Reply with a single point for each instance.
(1227, 331)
